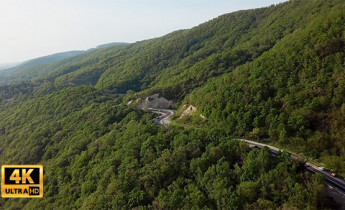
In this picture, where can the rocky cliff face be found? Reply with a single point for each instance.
(155, 102)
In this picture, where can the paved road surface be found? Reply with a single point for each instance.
(335, 182)
(164, 118)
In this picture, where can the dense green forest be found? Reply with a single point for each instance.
(293, 94)
(100, 155)
(275, 74)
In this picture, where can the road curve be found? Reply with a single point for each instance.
(334, 182)
(164, 118)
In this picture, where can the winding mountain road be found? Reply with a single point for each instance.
(164, 118)
(334, 182)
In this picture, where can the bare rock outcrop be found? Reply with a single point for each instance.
(155, 102)
(188, 111)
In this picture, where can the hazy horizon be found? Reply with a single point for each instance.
(38, 28)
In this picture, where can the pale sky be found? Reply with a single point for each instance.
(34, 28)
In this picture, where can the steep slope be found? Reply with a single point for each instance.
(181, 61)
(180, 55)
(293, 94)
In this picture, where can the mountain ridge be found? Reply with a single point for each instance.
(36, 67)
(30, 66)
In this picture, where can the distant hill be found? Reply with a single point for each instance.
(8, 65)
(102, 46)
(43, 65)
(31, 68)
(111, 44)
(51, 58)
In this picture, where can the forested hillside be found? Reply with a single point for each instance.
(293, 94)
(275, 74)
(98, 155)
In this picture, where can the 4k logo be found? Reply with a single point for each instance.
(24, 181)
